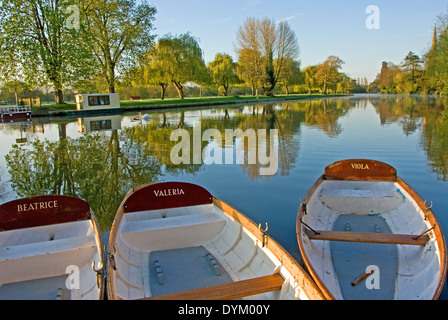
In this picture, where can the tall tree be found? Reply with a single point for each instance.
(290, 74)
(223, 71)
(249, 68)
(412, 63)
(437, 63)
(118, 31)
(39, 43)
(266, 46)
(327, 73)
(310, 77)
(386, 77)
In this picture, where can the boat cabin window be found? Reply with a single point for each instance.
(99, 100)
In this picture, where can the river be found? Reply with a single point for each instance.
(101, 158)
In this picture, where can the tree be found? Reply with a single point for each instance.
(345, 84)
(180, 60)
(151, 72)
(327, 73)
(118, 31)
(310, 78)
(223, 71)
(437, 64)
(249, 68)
(266, 46)
(412, 63)
(39, 43)
(290, 74)
(16, 86)
(386, 77)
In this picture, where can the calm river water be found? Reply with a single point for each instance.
(101, 158)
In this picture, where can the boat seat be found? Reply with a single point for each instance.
(361, 201)
(172, 232)
(371, 237)
(35, 256)
(20, 237)
(228, 291)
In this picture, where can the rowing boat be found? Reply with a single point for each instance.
(364, 233)
(50, 248)
(175, 241)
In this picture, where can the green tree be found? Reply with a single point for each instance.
(437, 64)
(345, 84)
(267, 46)
(39, 43)
(151, 72)
(412, 63)
(290, 74)
(180, 60)
(249, 68)
(117, 31)
(310, 77)
(327, 73)
(223, 71)
(16, 87)
(386, 77)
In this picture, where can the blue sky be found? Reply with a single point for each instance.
(323, 28)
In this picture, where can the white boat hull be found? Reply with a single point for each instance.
(225, 246)
(408, 252)
(51, 261)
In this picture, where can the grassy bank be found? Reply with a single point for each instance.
(157, 103)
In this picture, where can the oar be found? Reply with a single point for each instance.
(362, 277)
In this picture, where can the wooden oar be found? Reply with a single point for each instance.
(362, 277)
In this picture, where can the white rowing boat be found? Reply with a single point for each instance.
(50, 248)
(176, 241)
(365, 234)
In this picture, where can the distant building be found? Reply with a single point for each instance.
(97, 101)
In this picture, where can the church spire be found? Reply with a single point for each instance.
(434, 38)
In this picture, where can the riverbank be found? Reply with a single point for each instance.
(69, 109)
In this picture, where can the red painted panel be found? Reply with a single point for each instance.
(166, 195)
(42, 210)
(360, 169)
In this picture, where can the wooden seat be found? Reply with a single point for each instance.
(228, 291)
(368, 237)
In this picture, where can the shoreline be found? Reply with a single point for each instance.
(140, 105)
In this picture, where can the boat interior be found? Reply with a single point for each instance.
(194, 252)
(370, 226)
(54, 251)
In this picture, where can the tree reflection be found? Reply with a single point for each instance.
(99, 168)
(415, 112)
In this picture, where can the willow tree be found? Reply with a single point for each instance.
(223, 71)
(39, 43)
(117, 31)
(270, 45)
(179, 59)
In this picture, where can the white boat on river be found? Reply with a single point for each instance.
(175, 241)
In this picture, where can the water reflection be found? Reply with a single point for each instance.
(109, 155)
(427, 113)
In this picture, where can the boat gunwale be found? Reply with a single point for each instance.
(439, 235)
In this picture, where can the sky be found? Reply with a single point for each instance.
(323, 28)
